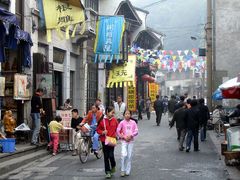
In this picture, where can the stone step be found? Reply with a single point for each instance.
(14, 163)
(21, 150)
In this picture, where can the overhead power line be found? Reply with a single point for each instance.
(154, 3)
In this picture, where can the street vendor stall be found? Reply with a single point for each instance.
(65, 135)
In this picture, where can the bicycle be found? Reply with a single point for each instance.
(85, 148)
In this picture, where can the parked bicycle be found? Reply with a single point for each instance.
(85, 148)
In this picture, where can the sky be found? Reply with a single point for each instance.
(179, 20)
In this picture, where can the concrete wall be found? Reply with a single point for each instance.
(108, 7)
(228, 36)
(143, 17)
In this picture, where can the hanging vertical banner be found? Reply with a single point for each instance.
(63, 14)
(132, 98)
(109, 37)
(153, 89)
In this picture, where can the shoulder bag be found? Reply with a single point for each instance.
(109, 141)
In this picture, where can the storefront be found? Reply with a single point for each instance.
(15, 57)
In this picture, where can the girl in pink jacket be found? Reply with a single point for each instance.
(127, 130)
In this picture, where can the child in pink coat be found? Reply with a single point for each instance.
(127, 130)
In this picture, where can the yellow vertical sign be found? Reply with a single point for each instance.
(131, 98)
(153, 91)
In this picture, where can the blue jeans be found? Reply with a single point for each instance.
(95, 145)
(36, 119)
(95, 137)
(192, 134)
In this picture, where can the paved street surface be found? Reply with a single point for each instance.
(156, 157)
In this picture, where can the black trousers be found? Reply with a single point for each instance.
(140, 114)
(178, 133)
(158, 117)
(148, 113)
(109, 159)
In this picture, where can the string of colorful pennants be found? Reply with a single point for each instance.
(171, 61)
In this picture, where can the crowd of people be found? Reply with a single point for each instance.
(116, 121)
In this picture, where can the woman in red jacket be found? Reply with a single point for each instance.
(108, 127)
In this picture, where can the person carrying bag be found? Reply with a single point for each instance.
(107, 129)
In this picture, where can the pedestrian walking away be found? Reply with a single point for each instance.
(204, 117)
(75, 124)
(193, 122)
(140, 107)
(127, 130)
(119, 108)
(158, 107)
(148, 108)
(181, 125)
(108, 127)
(55, 126)
(171, 107)
(36, 111)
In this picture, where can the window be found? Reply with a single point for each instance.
(58, 88)
(5, 4)
(92, 84)
(92, 4)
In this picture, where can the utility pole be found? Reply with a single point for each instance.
(208, 29)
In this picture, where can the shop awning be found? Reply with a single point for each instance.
(123, 76)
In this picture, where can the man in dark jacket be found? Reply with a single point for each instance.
(193, 122)
(180, 118)
(158, 107)
(177, 105)
(204, 117)
(171, 106)
(36, 109)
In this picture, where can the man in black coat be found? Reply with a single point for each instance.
(171, 106)
(193, 122)
(181, 125)
(158, 107)
(204, 117)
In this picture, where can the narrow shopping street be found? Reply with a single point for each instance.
(156, 157)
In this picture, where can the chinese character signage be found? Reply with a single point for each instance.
(63, 14)
(109, 37)
(131, 98)
(66, 116)
(123, 75)
(153, 89)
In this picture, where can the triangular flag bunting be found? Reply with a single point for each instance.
(179, 52)
(181, 58)
(174, 57)
(186, 52)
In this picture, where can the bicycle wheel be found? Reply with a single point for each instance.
(83, 150)
(100, 150)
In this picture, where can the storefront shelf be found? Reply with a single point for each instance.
(9, 72)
